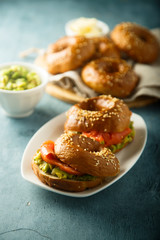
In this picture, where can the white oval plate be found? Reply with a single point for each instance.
(52, 130)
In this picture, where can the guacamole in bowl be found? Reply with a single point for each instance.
(18, 78)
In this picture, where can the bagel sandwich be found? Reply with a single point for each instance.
(74, 163)
(104, 118)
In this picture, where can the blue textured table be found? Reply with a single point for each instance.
(130, 208)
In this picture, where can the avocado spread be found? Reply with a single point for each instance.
(18, 78)
(57, 172)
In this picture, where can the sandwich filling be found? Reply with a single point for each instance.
(114, 141)
(47, 161)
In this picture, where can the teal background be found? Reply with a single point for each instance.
(130, 208)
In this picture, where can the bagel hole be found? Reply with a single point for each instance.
(98, 105)
(55, 49)
(142, 38)
(109, 67)
(89, 106)
(93, 106)
(60, 48)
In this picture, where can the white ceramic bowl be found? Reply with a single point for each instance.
(102, 25)
(20, 104)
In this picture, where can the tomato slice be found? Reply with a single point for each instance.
(48, 155)
(108, 138)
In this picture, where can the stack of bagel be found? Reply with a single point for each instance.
(103, 67)
(84, 155)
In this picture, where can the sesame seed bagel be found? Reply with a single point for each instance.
(86, 155)
(68, 53)
(110, 76)
(64, 184)
(136, 41)
(102, 113)
(105, 47)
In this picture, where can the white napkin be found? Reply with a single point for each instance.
(72, 80)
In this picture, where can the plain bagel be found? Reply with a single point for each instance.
(136, 41)
(68, 53)
(110, 76)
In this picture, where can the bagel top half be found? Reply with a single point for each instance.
(86, 155)
(102, 113)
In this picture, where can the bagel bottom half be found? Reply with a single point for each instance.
(64, 184)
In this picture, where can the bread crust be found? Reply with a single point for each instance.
(64, 184)
(105, 47)
(86, 155)
(110, 76)
(68, 53)
(102, 113)
(136, 41)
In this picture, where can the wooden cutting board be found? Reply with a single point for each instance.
(71, 97)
